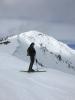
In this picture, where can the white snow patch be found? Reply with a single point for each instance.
(50, 85)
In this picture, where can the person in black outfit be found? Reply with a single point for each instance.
(32, 53)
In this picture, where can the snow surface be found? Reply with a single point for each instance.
(50, 85)
(48, 49)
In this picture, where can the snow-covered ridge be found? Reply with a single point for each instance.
(50, 52)
(49, 85)
(44, 40)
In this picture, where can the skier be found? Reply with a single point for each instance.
(32, 53)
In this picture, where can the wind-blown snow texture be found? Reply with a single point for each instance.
(50, 85)
(50, 52)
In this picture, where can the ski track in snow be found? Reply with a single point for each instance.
(16, 85)
(32, 85)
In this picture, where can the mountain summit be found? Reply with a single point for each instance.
(51, 53)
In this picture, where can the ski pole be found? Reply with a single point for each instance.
(40, 64)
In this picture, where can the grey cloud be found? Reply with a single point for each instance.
(46, 10)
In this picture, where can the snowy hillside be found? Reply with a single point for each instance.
(50, 52)
(50, 85)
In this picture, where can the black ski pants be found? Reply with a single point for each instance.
(32, 58)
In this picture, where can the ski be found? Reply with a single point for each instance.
(33, 71)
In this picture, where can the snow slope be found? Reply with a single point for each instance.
(50, 52)
(15, 85)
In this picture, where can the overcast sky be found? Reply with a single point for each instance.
(46, 10)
